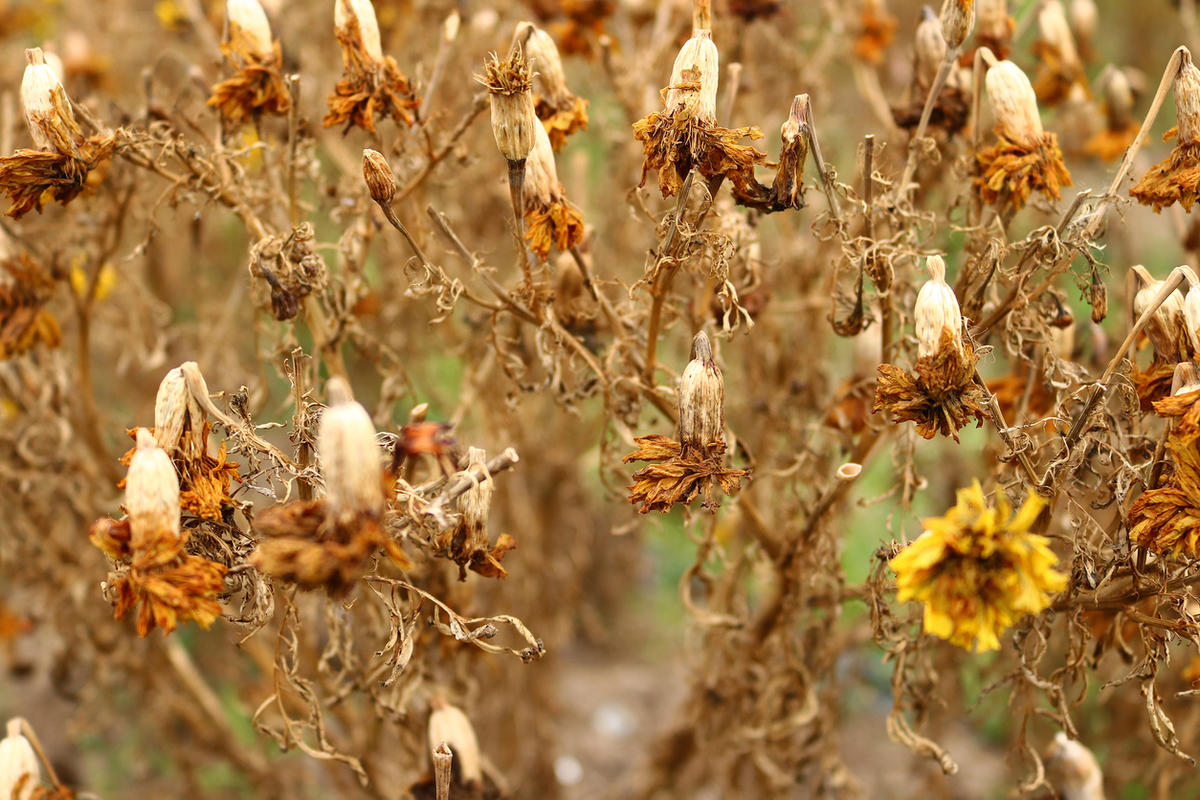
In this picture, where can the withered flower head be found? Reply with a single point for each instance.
(936, 314)
(38, 87)
(1191, 316)
(787, 190)
(151, 492)
(950, 110)
(291, 267)
(876, 30)
(1177, 178)
(257, 86)
(20, 774)
(179, 421)
(449, 725)
(349, 456)
(381, 181)
(1072, 770)
(360, 14)
(994, 27)
(1025, 157)
(701, 398)
(1168, 328)
(467, 543)
(692, 92)
(929, 48)
(1060, 69)
(249, 28)
(1085, 21)
(958, 17)
(550, 220)
(25, 323)
(514, 121)
(561, 111)
(1120, 127)
(1163, 519)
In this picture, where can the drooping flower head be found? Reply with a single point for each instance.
(372, 86)
(978, 570)
(257, 86)
(1176, 179)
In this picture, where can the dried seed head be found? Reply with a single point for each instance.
(545, 61)
(449, 725)
(176, 408)
(248, 25)
(1167, 326)
(929, 48)
(1118, 99)
(1185, 379)
(368, 26)
(541, 174)
(1187, 100)
(1073, 770)
(1014, 103)
(151, 492)
(992, 19)
(1052, 22)
(381, 181)
(958, 17)
(37, 88)
(514, 121)
(701, 398)
(937, 313)
(476, 502)
(349, 456)
(1085, 20)
(693, 89)
(17, 762)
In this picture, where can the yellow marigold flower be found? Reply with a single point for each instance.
(978, 570)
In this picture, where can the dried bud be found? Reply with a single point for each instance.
(1098, 297)
(958, 17)
(361, 10)
(177, 410)
(514, 121)
(545, 61)
(1085, 19)
(1187, 100)
(929, 48)
(349, 456)
(151, 492)
(249, 27)
(476, 502)
(381, 182)
(18, 765)
(1073, 770)
(937, 313)
(449, 725)
(541, 175)
(1014, 103)
(693, 88)
(993, 20)
(37, 88)
(1167, 326)
(701, 398)
(1052, 22)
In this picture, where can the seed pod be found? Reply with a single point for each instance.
(349, 456)
(476, 502)
(1118, 100)
(541, 175)
(37, 87)
(1098, 297)
(381, 181)
(368, 26)
(992, 22)
(151, 492)
(1167, 326)
(1187, 100)
(177, 409)
(958, 17)
(514, 121)
(17, 762)
(1085, 20)
(937, 313)
(1191, 315)
(449, 725)
(1073, 770)
(701, 398)
(1014, 103)
(545, 61)
(693, 89)
(248, 26)
(1052, 22)
(929, 48)
(1185, 379)
(788, 188)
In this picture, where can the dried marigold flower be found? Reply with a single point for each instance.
(929, 49)
(978, 570)
(1163, 519)
(1176, 179)
(257, 86)
(151, 492)
(468, 544)
(1085, 21)
(1060, 67)
(692, 92)
(38, 85)
(514, 120)
(1167, 328)
(787, 190)
(349, 456)
(381, 181)
(291, 267)
(25, 289)
(449, 725)
(372, 86)
(550, 220)
(701, 399)
(1191, 316)
(1072, 770)
(876, 30)
(994, 27)
(1120, 127)
(950, 110)
(179, 420)
(1025, 158)
(936, 314)
(20, 773)
(561, 111)
(958, 17)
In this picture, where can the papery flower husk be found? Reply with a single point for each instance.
(1176, 179)
(940, 398)
(978, 570)
(672, 145)
(1154, 384)
(369, 89)
(558, 225)
(1012, 171)
(1110, 143)
(204, 482)
(256, 88)
(1166, 519)
(677, 479)
(562, 122)
(876, 31)
(1054, 79)
(24, 321)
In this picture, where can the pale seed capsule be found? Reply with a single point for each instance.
(349, 456)
(546, 63)
(17, 761)
(929, 48)
(248, 21)
(1167, 326)
(55, 63)
(1191, 314)
(541, 174)
(701, 397)
(1052, 22)
(449, 725)
(1187, 100)
(992, 20)
(1085, 20)
(381, 182)
(151, 492)
(1118, 99)
(37, 86)
(1014, 103)
(368, 26)
(788, 186)
(1073, 770)
(476, 502)
(514, 121)
(937, 312)
(176, 408)
(958, 17)
(693, 89)
(1185, 379)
